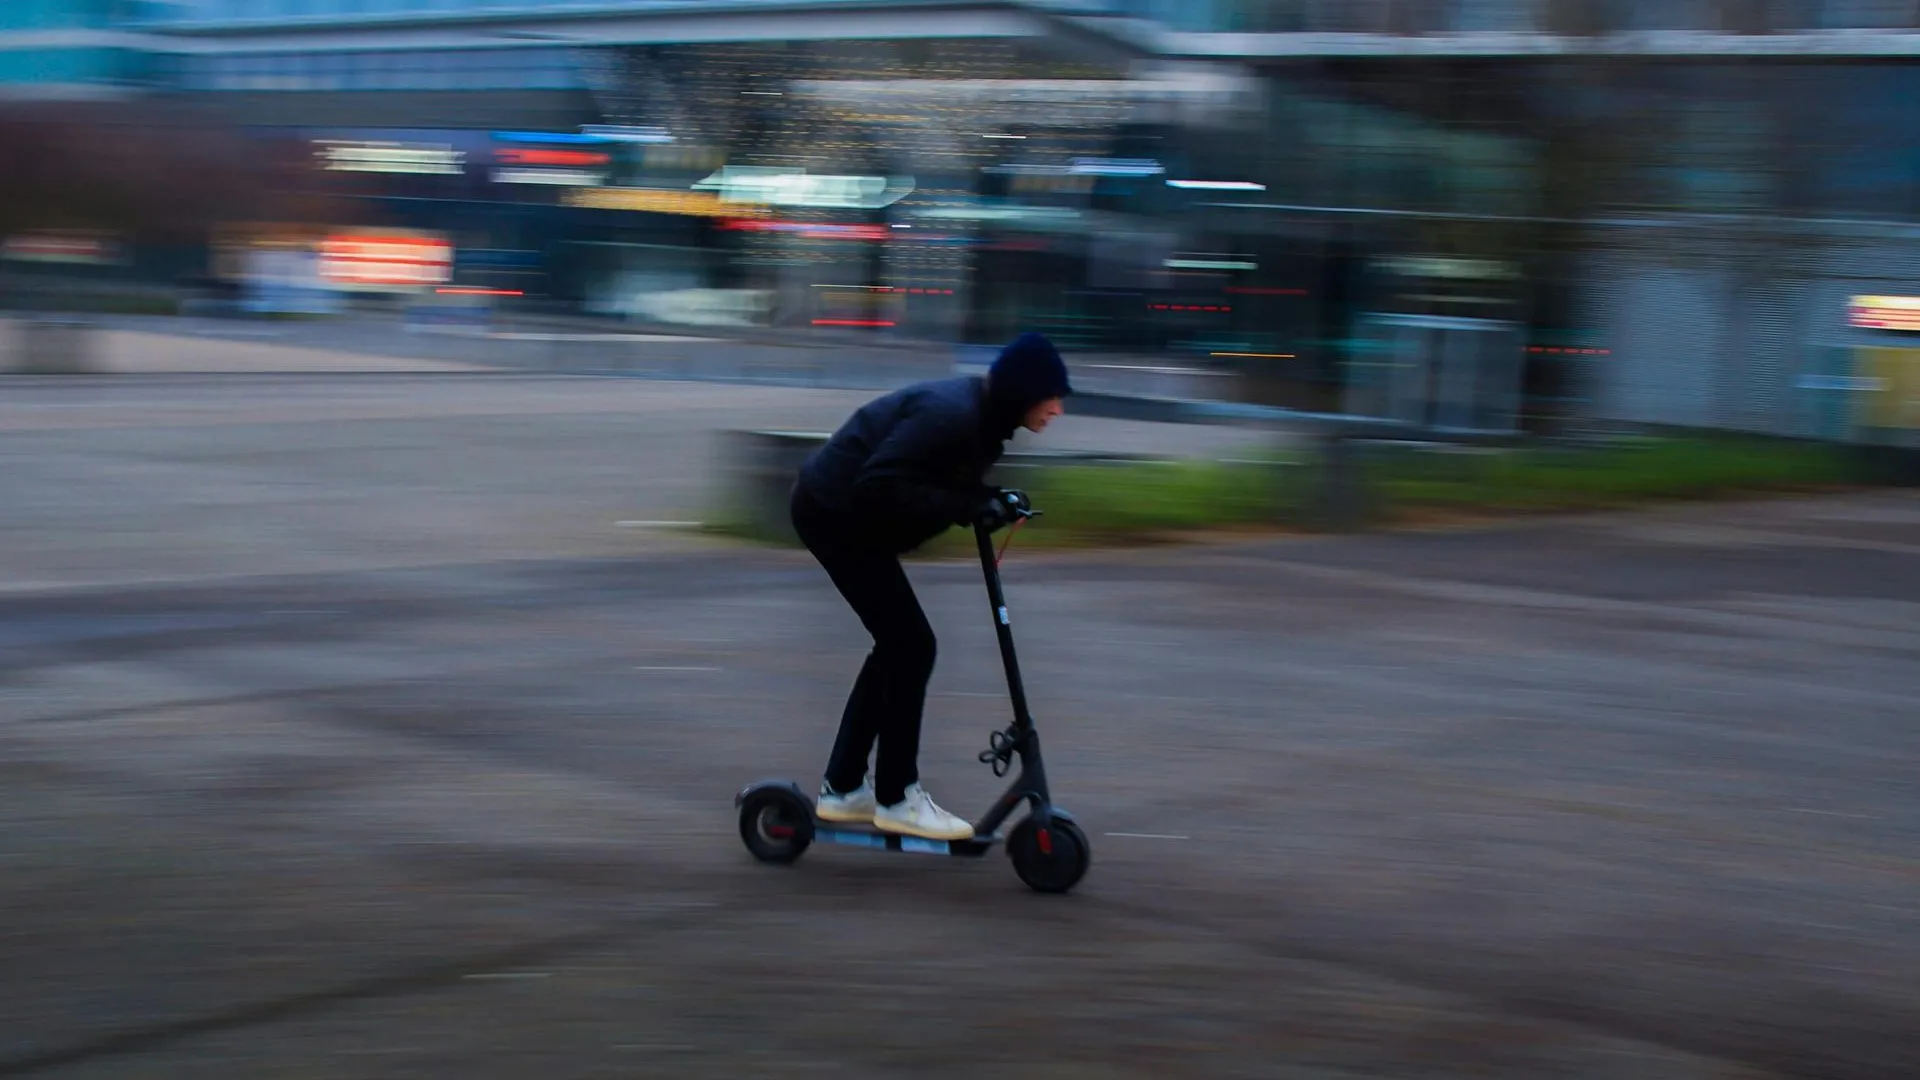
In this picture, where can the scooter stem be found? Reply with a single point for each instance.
(1003, 629)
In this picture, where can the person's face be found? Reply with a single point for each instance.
(1042, 414)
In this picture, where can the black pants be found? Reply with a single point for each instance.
(890, 695)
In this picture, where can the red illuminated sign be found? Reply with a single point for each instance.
(386, 258)
(813, 230)
(572, 159)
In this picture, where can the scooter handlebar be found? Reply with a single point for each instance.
(1004, 507)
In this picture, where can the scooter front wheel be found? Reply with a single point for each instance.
(1049, 860)
(776, 824)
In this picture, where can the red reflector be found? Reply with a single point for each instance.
(1046, 842)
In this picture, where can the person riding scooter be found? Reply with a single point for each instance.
(903, 469)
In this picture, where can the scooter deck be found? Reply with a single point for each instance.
(851, 834)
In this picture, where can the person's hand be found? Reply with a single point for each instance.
(1003, 508)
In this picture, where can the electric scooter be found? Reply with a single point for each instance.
(1048, 850)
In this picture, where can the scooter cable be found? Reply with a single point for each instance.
(1008, 542)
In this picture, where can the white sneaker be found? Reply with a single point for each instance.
(857, 805)
(916, 815)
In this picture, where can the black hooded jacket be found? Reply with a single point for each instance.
(908, 466)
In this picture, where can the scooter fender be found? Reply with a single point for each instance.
(741, 795)
(1044, 816)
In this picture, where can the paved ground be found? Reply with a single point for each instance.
(140, 478)
(401, 764)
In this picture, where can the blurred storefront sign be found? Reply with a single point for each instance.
(83, 248)
(565, 167)
(813, 230)
(389, 150)
(550, 177)
(1448, 284)
(380, 156)
(627, 133)
(386, 259)
(660, 201)
(1884, 312)
(1009, 215)
(552, 159)
(1209, 262)
(1450, 268)
(774, 186)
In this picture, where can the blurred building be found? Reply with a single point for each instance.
(1685, 205)
(1455, 211)
(784, 163)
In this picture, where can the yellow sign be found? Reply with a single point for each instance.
(1895, 401)
(661, 201)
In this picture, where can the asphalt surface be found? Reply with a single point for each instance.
(136, 478)
(344, 733)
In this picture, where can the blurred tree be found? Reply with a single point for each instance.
(153, 172)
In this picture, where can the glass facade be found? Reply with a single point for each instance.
(32, 15)
(1519, 16)
(1867, 15)
(1338, 16)
(63, 43)
(69, 66)
(1231, 16)
(1830, 139)
(1216, 16)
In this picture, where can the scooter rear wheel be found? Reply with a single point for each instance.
(1050, 860)
(776, 824)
